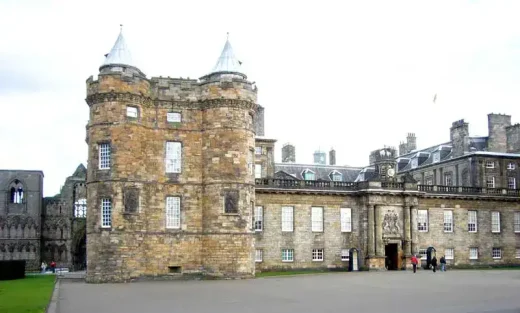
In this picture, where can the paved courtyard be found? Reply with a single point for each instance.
(453, 291)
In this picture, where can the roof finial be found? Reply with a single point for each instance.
(227, 38)
(121, 28)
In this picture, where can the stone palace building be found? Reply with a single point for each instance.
(181, 181)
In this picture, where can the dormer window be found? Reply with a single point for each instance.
(16, 192)
(336, 176)
(308, 175)
(511, 166)
(436, 157)
(132, 112)
(415, 162)
(490, 164)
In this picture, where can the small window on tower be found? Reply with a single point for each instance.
(131, 112)
(173, 117)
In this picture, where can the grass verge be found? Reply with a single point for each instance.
(29, 295)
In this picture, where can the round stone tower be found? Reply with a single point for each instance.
(228, 101)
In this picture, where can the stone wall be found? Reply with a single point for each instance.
(264, 156)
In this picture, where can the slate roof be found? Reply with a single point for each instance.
(228, 63)
(322, 172)
(120, 54)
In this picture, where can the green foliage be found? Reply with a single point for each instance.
(29, 295)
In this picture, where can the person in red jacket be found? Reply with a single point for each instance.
(414, 263)
(53, 266)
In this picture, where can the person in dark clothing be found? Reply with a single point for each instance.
(434, 264)
(443, 264)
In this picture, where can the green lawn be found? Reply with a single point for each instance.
(284, 273)
(29, 295)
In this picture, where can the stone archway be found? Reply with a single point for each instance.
(79, 249)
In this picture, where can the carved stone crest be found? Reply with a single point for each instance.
(131, 200)
(231, 202)
(391, 223)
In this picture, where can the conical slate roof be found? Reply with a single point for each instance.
(120, 54)
(228, 62)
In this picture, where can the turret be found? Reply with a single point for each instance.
(384, 161)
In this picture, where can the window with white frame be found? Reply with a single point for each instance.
(80, 208)
(345, 255)
(495, 222)
(287, 255)
(104, 156)
(490, 164)
(346, 220)
(449, 253)
(337, 176)
(511, 182)
(448, 221)
(496, 253)
(516, 222)
(132, 112)
(436, 157)
(308, 175)
(448, 181)
(287, 218)
(258, 150)
(251, 162)
(472, 221)
(473, 253)
(517, 255)
(173, 117)
(173, 159)
(173, 212)
(490, 182)
(422, 220)
(258, 170)
(428, 181)
(511, 166)
(415, 162)
(317, 255)
(317, 219)
(259, 254)
(106, 213)
(423, 254)
(259, 218)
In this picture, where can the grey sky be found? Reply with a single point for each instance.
(355, 75)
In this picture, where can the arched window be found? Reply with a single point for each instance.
(80, 208)
(16, 192)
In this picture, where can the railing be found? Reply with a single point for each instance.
(305, 184)
(392, 185)
(469, 190)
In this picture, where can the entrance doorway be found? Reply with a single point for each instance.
(392, 257)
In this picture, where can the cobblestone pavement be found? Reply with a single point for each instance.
(452, 291)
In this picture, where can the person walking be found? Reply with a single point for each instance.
(443, 264)
(43, 267)
(53, 266)
(414, 263)
(434, 264)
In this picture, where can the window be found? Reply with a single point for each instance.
(317, 255)
(287, 218)
(517, 253)
(516, 222)
(473, 253)
(511, 166)
(317, 219)
(106, 213)
(490, 164)
(436, 157)
(346, 220)
(415, 162)
(511, 183)
(448, 180)
(259, 218)
(131, 112)
(104, 156)
(490, 182)
(496, 253)
(423, 253)
(336, 176)
(345, 255)
(448, 221)
(287, 255)
(16, 192)
(422, 220)
(80, 208)
(258, 150)
(472, 221)
(173, 158)
(258, 171)
(173, 117)
(429, 181)
(259, 255)
(308, 175)
(251, 162)
(495, 222)
(173, 212)
(449, 254)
